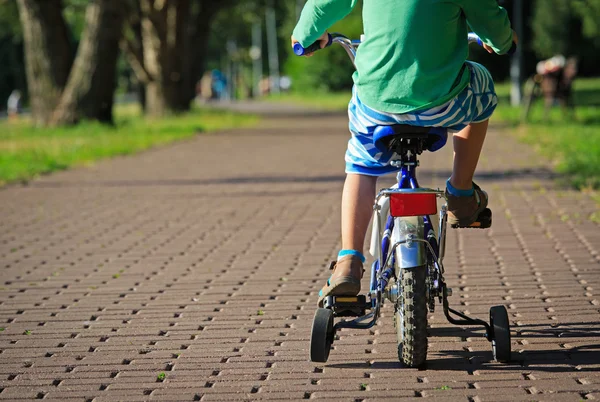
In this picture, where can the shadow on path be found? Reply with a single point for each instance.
(565, 330)
(538, 173)
(570, 359)
(557, 361)
(192, 182)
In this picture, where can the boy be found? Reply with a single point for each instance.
(411, 69)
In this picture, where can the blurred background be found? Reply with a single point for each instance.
(85, 79)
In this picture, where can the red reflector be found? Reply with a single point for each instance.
(413, 204)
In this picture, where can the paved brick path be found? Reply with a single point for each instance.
(199, 264)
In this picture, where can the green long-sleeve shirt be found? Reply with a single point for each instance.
(414, 51)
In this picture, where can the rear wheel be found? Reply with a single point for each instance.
(411, 317)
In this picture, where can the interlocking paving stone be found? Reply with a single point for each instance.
(191, 272)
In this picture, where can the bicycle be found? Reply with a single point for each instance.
(408, 269)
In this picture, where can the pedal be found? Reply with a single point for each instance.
(484, 221)
(347, 306)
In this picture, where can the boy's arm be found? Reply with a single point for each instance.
(318, 16)
(490, 22)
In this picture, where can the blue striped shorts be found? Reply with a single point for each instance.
(474, 104)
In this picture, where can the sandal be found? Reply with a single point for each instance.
(465, 211)
(343, 285)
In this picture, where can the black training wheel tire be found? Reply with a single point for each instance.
(501, 334)
(321, 336)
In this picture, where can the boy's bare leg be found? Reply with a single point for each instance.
(357, 207)
(468, 144)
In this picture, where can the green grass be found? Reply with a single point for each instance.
(572, 144)
(329, 101)
(27, 151)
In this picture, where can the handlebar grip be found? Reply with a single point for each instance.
(473, 37)
(299, 50)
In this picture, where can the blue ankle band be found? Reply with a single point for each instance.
(358, 254)
(456, 192)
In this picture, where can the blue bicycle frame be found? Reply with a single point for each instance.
(406, 180)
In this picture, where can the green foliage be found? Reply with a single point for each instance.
(567, 27)
(9, 20)
(234, 25)
(327, 70)
(27, 151)
(12, 68)
(551, 26)
(589, 11)
(74, 12)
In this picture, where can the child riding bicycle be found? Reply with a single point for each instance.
(411, 69)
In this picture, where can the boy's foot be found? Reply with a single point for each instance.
(465, 211)
(345, 280)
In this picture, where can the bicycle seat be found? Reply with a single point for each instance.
(433, 138)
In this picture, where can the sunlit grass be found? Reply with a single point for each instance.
(571, 143)
(328, 101)
(27, 151)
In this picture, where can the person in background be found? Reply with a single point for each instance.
(14, 104)
(556, 76)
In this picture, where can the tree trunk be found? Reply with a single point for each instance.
(169, 57)
(199, 32)
(90, 90)
(48, 54)
(165, 46)
(199, 35)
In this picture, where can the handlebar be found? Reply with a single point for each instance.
(351, 45)
(474, 38)
(347, 43)
(299, 50)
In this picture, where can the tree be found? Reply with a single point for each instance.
(165, 45)
(62, 91)
(48, 54)
(92, 81)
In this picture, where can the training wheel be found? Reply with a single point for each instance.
(501, 333)
(321, 336)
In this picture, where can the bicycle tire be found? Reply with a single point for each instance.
(501, 330)
(322, 334)
(411, 317)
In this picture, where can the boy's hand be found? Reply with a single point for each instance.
(323, 39)
(515, 40)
